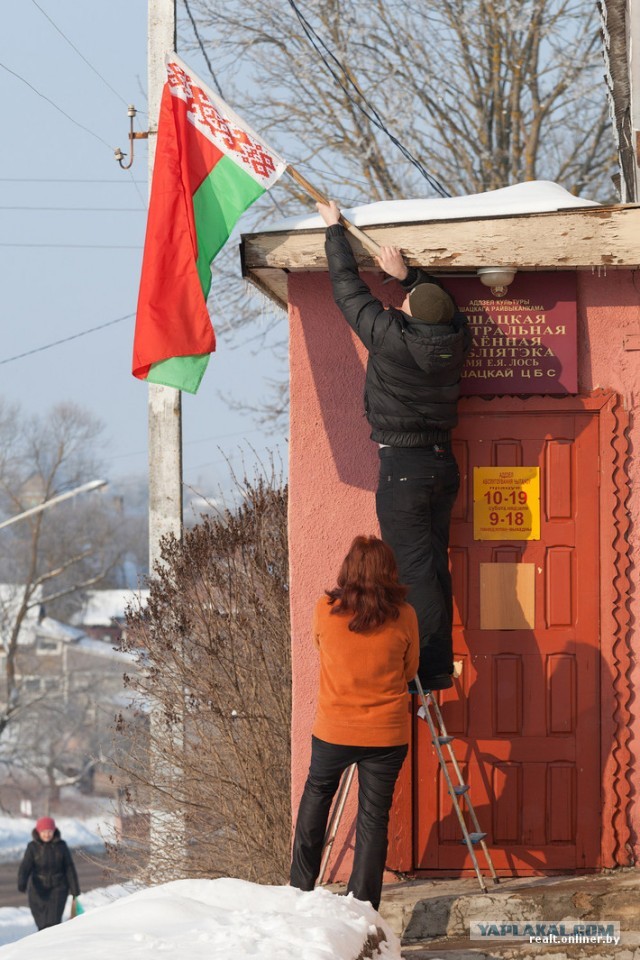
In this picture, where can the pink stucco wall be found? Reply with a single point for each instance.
(332, 475)
(333, 464)
(608, 314)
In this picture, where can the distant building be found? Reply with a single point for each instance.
(102, 615)
(70, 685)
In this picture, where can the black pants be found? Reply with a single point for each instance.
(378, 769)
(417, 488)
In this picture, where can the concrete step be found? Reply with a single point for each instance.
(422, 910)
(461, 950)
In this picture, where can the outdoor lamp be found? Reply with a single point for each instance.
(497, 278)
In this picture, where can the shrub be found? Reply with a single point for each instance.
(213, 648)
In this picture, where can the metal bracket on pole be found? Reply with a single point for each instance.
(133, 135)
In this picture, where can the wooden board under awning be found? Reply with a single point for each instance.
(580, 238)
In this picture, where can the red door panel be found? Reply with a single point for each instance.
(525, 710)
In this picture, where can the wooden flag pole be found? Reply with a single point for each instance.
(365, 240)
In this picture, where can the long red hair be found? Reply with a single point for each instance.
(368, 585)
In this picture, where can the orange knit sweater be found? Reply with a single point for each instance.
(362, 699)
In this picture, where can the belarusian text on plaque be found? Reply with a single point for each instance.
(524, 342)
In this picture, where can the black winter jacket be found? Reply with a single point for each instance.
(413, 375)
(49, 871)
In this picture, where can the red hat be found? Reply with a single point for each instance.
(45, 823)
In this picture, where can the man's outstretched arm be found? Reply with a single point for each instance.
(362, 310)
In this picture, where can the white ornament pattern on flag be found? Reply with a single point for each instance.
(224, 130)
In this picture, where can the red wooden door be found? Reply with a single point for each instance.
(525, 711)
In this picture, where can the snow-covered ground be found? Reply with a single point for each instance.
(187, 919)
(212, 919)
(17, 922)
(15, 833)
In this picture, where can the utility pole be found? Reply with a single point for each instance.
(164, 403)
(633, 46)
(165, 440)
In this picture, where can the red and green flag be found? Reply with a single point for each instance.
(209, 167)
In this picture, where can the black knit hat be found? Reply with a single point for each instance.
(430, 303)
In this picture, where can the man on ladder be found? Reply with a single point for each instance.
(414, 368)
(416, 355)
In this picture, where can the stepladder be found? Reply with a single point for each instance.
(474, 838)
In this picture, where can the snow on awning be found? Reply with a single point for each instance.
(535, 196)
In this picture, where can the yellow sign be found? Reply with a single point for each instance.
(506, 503)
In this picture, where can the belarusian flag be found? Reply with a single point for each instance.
(209, 167)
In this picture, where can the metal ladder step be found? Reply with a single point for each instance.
(439, 737)
(474, 837)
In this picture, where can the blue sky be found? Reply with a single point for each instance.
(65, 270)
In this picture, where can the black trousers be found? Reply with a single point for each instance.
(378, 769)
(417, 488)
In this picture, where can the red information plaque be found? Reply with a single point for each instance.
(524, 342)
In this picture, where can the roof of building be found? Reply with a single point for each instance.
(101, 648)
(11, 597)
(106, 608)
(528, 226)
(56, 630)
(535, 196)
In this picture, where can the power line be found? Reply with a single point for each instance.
(61, 180)
(373, 116)
(187, 443)
(81, 55)
(97, 73)
(76, 246)
(219, 88)
(55, 105)
(203, 48)
(75, 336)
(143, 205)
(79, 209)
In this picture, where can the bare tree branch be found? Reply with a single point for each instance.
(485, 93)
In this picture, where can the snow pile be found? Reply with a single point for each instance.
(15, 834)
(217, 920)
(535, 196)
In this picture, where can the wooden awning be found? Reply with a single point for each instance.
(580, 238)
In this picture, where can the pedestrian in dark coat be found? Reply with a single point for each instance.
(412, 385)
(48, 873)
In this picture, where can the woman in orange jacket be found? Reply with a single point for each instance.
(368, 641)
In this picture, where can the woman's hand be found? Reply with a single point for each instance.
(392, 262)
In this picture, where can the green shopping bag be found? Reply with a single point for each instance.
(76, 908)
